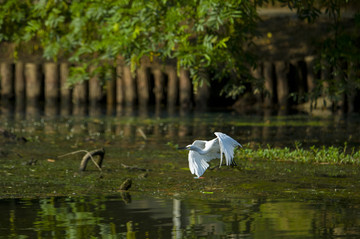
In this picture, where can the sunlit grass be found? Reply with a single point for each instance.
(323, 155)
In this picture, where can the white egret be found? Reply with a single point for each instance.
(201, 152)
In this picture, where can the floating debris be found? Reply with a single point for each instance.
(135, 168)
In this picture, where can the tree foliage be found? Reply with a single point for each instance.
(202, 35)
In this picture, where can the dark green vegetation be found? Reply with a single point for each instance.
(206, 37)
(32, 168)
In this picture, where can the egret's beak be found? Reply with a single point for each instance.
(182, 148)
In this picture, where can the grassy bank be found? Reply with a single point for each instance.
(324, 155)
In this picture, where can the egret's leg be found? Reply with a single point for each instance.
(199, 177)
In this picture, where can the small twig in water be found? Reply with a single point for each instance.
(134, 168)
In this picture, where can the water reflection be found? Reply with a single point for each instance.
(130, 124)
(105, 217)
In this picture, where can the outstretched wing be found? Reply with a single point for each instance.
(197, 164)
(227, 146)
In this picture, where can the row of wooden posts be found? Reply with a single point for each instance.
(33, 82)
(158, 85)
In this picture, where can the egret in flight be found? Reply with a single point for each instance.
(201, 152)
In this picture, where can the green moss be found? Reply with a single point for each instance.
(32, 169)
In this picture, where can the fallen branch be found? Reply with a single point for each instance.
(88, 156)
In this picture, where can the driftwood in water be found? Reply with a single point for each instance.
(89, 156)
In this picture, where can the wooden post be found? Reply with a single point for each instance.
(80, 93)
(268, 84)
(111, 92)
(256, 73)
(65, 92)
(158, 88)
(19, 82)
(19, 87)
(129, 87)
(297, 76)
(325, 77)
(143, 86)
(282, 68)
(310, 78)
(119, 86)
(51, 82)
(95, 89)
(33, 83)
(6, 80)
(351, 94)
(172, 92)
(185, 90)
(202, 94)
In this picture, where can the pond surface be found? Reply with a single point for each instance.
(43, 196)
(111, 217)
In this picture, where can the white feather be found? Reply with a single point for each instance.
(201, 152)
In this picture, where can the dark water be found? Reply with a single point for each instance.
(261, 128)
(110, 217)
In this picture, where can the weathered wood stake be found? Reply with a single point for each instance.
(111, 92)
(256, 73)
(282, 69)
(119, 86)
(202, 94)
(65, 91)
(33, 83)
(310, 79)
(6, 80)
(95, 88)
(51, 72)
(268, 84)
(19, 82)
(158, 85)
(184, 90)
(173, 87)
(80, 93)
(129, 86)
(143, 86)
